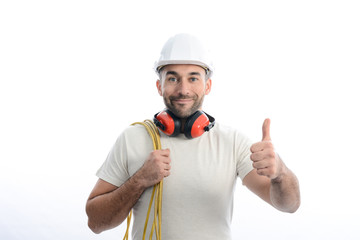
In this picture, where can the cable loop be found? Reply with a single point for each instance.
(157, 189)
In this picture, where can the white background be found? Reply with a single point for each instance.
(74, 74)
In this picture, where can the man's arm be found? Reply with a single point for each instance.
(109, 205)
(282, 193)
(271, 179)
(285, 192)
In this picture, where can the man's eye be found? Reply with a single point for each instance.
(172, 79)
(193, 79)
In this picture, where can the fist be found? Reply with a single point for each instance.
(265, 160)
(156, 167)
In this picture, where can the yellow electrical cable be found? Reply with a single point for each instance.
(157, 189)
(128, 225)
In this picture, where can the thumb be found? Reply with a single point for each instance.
(266, 130)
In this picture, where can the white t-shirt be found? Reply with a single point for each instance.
(198, 194)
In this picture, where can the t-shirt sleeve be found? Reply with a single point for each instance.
(115, 168)
(244, 163)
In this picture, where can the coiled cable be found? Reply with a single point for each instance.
(157, 189)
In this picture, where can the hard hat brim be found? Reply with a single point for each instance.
(161, 64)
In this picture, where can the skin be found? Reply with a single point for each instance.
(183, 88)
(271, 180)
(109, 205)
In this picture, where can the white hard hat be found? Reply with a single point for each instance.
(184, 49)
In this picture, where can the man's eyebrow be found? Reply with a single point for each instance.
(195, 73)
(176, 74)
(172, 73)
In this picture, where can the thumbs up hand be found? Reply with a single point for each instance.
(265, 160)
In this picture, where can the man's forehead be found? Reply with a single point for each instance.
(188, 69)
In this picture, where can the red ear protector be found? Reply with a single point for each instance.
(195, 125)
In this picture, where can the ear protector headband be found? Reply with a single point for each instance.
(195, 125)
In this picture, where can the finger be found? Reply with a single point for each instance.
(268, 172)
(167, 174)
(256, 147)
(262, 171)
(262, 155)
(255, 157)
(260, 146)
(165, 160)
(260, 165)
(164, 152)
(166, 171)
(166, 163)
(167, 167)
(266, 130)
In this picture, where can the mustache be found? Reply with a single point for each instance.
(181, 96)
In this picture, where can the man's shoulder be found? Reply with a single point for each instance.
(229, 133)
(132, 134)
(135, 128)
(226, 129)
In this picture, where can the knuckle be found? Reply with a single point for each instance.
(252, 149)
(156, 160)
(254, 165)
(164, 151)
(153, 155)
(272, 154)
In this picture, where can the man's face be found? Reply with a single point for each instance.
(183, 87)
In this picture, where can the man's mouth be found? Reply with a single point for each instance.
(182, 100)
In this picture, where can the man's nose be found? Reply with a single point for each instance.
(183, 87)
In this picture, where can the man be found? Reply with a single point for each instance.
(199, 172)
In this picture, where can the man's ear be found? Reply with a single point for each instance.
(158, 86)
(208, 86)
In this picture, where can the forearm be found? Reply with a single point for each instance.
(108, 206)
(111, 209)
(284, 191)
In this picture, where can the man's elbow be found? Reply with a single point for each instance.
(297, 206)
(287, 207)
(92, 224)
(93, 227)
(293, 208)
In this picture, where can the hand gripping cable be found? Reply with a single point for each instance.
(157, 189)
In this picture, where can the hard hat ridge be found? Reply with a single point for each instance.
(184, 49)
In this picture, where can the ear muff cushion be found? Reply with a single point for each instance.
(195, 124)
(171, 123)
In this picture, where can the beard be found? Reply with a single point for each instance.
(182, 110)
